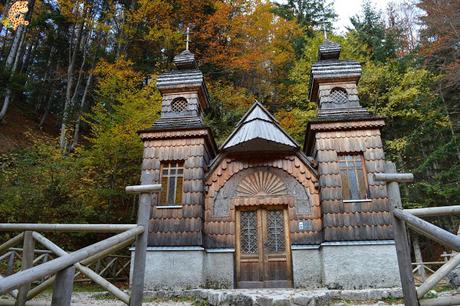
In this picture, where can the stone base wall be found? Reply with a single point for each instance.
(306, 266)
(219, 269)
(187, 268)
(360, 265)
(333, 265)
(173, 267)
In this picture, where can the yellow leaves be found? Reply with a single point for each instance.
(295, 121)
(398, 144)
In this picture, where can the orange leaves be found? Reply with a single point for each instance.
(248, 36)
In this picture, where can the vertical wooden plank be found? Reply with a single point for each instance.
(402, 243)
(238, 248)
(418, 256)
(288, 247)
(143, 215)
(63, 287)
(27, 262)
(261, 225)
(10, 268)
(263, 256)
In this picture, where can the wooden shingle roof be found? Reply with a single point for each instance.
(258, 130)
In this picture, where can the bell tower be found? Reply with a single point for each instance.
(177, 149)
(345, 139)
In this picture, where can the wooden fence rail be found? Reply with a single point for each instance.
(62, 270)
(404, 219)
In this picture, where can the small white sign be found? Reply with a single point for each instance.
(301, 226)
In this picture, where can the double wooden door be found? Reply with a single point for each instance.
(263, 258)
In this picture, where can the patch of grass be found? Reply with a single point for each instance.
(393, 300)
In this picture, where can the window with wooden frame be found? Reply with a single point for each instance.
(353, 174)
(172, 180)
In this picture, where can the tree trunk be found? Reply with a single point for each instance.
(12, 59)
(47, 111)
(9, 66)
(70, 80)
(82, 105)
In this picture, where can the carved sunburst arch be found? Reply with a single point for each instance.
(261, 183)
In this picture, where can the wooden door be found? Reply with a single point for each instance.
(263, 258)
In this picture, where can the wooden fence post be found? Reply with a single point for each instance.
(10, 268)
(402, 243)
(418, 256)
(143, 215)
(27, 262)
(63, 287)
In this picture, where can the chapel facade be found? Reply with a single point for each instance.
(259, 211)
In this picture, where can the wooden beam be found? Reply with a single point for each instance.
(85, 270)
(442, 301)
(41, 287)
(60, 263)
(63, 287)
(27, 263)
(143, 188)
(435, 211)
(88, 228)
(106, 252)
(402, 242)
(143, 216)
(418, 256)
(438, 275)
(11, 242)
(13, 293)
(394, 177)
(429, 230)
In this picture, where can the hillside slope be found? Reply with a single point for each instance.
(20, 129)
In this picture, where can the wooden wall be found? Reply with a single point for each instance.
(220, 230)
(179, 226)
(352, 221)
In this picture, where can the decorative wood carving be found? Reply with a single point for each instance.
(261, 183)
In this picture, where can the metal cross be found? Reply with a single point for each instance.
(187, 41)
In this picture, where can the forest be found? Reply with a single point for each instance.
(78, 82)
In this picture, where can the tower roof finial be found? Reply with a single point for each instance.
(187, 40)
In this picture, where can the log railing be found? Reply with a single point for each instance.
(61, 271)
(405, 219)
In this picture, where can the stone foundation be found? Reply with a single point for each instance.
(219, 268)
(332, 265)
(360, 265)
(173, 267)
(306, 266)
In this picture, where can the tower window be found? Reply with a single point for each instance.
(339, 95)
(172, 179)
(179, 105)
(353, 174)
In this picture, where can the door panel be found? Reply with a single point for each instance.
(263, 253)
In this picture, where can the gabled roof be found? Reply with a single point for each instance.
(258, 130)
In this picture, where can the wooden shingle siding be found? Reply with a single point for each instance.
(179, 226)
(360, 220)
(219, 229)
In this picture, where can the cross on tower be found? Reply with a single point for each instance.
(187, 41)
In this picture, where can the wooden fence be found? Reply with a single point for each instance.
(405, 219)
(61, 270)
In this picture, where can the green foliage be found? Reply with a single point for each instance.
(38, 184)
(380, 42)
